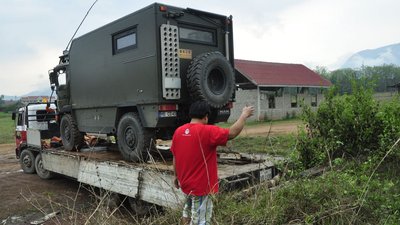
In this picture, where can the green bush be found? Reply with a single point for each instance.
(352, 126)
(333, 198)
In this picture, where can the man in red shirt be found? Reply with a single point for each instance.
(194, 146)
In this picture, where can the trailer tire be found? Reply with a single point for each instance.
(40, 170)
(27, 160)
(210, 78)
(133, 139)
(71, 137)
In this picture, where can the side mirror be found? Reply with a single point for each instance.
(13, 116)
(53, 78)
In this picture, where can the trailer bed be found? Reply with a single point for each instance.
(151, 181)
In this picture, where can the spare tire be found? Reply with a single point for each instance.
(210, 77)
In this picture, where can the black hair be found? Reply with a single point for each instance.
(199, 110)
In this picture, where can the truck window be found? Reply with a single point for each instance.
(124, 40)
(20, 121)
(43, 115)
(204, 36)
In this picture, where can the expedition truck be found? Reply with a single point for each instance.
(136, 77)
(101, 165)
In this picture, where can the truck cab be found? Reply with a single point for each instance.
(35, 116)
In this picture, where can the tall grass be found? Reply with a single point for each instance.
(282, 145)
(6, 128)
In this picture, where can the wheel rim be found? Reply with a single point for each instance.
(130, 138)
(216, 81)
(27, 161)
(40, 167)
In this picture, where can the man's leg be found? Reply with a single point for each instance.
(187, 208)
(202, 207)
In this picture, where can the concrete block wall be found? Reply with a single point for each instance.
(243, 98)
(282, 110)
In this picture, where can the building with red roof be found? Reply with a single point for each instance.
(276, 89)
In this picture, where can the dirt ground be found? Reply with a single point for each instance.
(25, 197)
(274, 129)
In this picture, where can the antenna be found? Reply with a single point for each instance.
(87, 13)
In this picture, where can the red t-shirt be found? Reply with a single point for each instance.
(194, 147)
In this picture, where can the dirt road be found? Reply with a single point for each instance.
(26, 197)
(284, 127)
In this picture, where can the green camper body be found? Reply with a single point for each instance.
(149, 66)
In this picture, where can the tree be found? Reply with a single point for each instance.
(323, 71)
(1, 100)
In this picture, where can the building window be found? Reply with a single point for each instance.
(124, 40)
(271, 101)
(314, 100)
(303, 90)
(293, 101)
(202, 36)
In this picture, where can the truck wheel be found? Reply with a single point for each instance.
(70, 135)
(40, 170)
(27, 160)
(132, 138)
(210, 77)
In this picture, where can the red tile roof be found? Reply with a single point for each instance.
(280, 74)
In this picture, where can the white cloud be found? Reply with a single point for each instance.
(312, 32)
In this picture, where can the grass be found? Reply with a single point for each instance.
(336, 197)
(6, 128)
(281, 145)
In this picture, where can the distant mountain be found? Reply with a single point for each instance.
(39, 92)
(44, 91)
(375, 57)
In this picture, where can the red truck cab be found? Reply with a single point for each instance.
(38, 116)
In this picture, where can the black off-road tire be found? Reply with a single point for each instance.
(134, 141)
(210, 77)
(71, 137)
(40, 170)
(27, 161)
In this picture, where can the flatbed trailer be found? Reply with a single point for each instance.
(151, 182)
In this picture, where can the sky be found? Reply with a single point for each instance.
(311, 32)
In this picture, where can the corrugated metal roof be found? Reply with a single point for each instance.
(279, 74)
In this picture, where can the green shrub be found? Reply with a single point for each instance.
(352, 126)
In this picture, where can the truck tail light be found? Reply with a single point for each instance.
(167, 107)
(163, 8)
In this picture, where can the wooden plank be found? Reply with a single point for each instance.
(110, 176)
(225, 171)
(158, 187)
(66, 165)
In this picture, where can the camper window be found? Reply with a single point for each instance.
(124, 40)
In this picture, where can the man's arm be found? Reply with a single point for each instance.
(237, 127)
